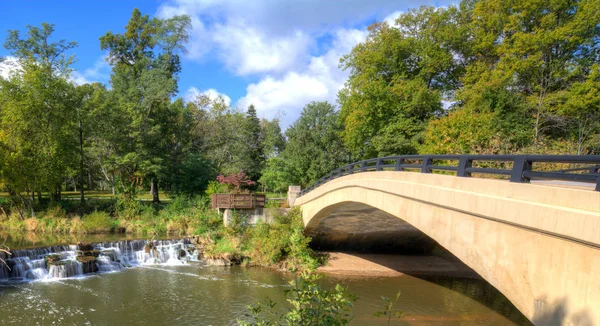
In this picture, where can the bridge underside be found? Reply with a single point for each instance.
(540, 246)
(359, 227)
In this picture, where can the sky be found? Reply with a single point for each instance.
(276, 54)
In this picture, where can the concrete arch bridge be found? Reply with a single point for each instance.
(537, 243)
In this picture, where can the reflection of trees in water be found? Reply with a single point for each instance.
(480, 291)
(17, 240)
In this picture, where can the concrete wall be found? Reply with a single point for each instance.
(252, 216)
(539, 245)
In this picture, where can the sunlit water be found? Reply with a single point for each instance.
(167, 291)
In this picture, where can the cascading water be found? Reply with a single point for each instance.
(58, 262)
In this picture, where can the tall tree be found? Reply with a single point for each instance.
(398, 78)
(36, 102)
(314, 146)
(254, 160)
(145, 63)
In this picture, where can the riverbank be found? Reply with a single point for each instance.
(389, 265)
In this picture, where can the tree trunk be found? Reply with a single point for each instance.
(81, 167)
(90, 181)
(154, 190)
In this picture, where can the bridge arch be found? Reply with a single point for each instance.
(538, 245)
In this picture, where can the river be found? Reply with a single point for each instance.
(167, 291)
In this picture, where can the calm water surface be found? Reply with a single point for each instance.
(196, 294)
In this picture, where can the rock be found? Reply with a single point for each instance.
(111, 254)
(85, 246)
(52, 259)
(182, 253)
(88, 264)
(218, 262)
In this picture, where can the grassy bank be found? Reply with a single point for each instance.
(280, 243)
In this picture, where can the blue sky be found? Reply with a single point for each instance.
(276, 54)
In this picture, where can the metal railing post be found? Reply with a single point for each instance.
(363, 166)
(463, 164)
(399, 162)
(378, 165)
(520, 165)
(426, 162)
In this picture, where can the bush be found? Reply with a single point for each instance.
(309, 304)
(98, 222)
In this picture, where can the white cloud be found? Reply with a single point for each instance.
(292, 46)
(8, 65)
(319, 80)
(99, 72)
(270, 36)
(246, 50)
(212, 93)
(391, 18)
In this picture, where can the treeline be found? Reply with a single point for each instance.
(484, 77)
(491, 76)
(487, 77)
(127, 138)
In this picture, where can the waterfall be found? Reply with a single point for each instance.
(56, 262)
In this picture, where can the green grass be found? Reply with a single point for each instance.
(70, 195)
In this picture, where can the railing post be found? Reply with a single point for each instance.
(426, 162)
(378, 165)
(520, 165)
(363, 166)
(463, 164)
(399, 162)
(339, 174)
(598, 183)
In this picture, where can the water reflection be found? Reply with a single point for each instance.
(20, 240)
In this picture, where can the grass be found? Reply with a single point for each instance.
(281, 243)
(95, 194)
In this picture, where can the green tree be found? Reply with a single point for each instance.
(398, 78)
(254, 160)
(314, 146)
(273, 139)
(145, 63)
(529, 53)
(36, 102)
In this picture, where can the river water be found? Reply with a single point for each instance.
(164, 289)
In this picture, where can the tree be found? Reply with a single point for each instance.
(273, 139)
(529, 54)
(314, 146)
(37, 100)
(254, 159)
(145, 62)
(398, 78)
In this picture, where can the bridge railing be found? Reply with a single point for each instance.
(516, 168)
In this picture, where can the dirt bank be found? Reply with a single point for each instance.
(394, 265)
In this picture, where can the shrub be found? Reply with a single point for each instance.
(32, 224)
(309, 304)
(98, 222)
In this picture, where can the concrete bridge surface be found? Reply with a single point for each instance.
(538, 244)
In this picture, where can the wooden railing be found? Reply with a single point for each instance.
(238, 201)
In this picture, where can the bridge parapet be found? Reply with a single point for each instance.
(518, 168)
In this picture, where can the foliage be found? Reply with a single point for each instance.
(314, 148)
(35, 120)
(145, 62)
(215, 187)
(309, 304)
(237, 181)
(389, 311)
(98, 222)
(254, 157)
